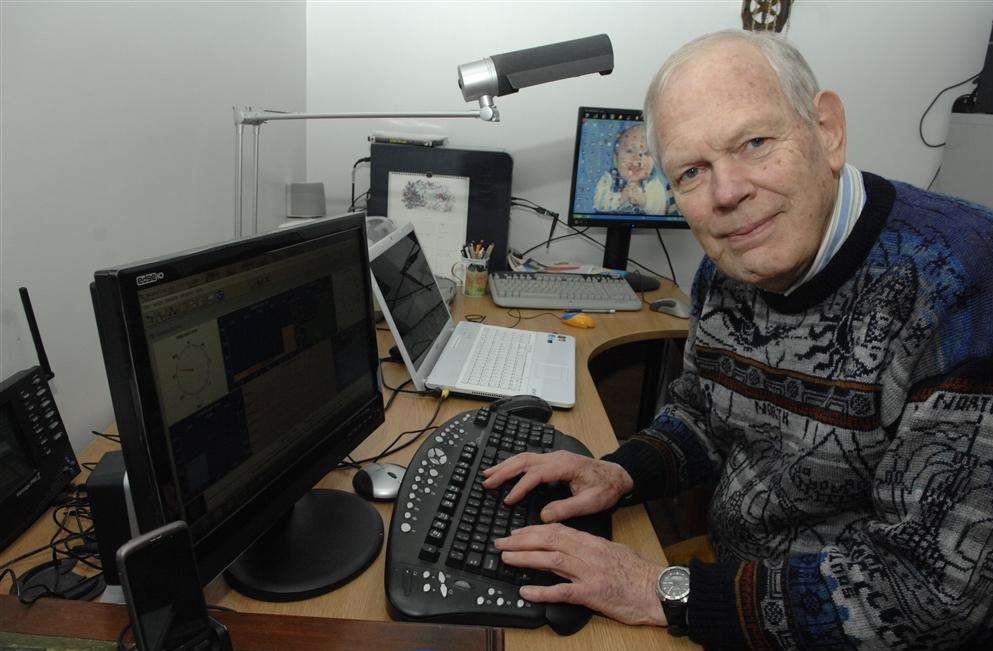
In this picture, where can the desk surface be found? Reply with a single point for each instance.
(363, 598)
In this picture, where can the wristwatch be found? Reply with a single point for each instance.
(673, 590)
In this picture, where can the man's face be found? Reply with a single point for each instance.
(634, 163)
(756, 184)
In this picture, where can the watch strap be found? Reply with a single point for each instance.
(675, 614)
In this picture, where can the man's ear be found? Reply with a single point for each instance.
(829, 124)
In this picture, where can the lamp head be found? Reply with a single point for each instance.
(503, 74)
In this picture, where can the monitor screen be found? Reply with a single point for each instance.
(252, 363)
(411, 295)
(615, 181)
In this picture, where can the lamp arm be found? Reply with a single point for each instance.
(247, 115)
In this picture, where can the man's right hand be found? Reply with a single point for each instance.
(596, 485)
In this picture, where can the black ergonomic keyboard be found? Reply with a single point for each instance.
(441, 564)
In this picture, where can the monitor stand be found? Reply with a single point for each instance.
(615, 256)
(328, 538)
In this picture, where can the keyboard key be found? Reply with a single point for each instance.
(428, 553)
(472, 561)
(491, 563)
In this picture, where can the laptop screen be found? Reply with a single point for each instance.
(411, 294)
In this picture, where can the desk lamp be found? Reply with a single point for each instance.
(481, 81)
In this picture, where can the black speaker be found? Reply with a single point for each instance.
(108, 505)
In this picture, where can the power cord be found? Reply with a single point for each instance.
(367, 193)
(356, 463)
(665, 250)
(113, 438)
(520, 317)
(920, 125)
(73, 522)
(517, 202)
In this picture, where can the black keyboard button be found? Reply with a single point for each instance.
(428, 553)
(480, 536)
(547, 439)
(473, 560)
(446, 506)
(460, 546)
(436, 536)
(477, 547)
(470, 513)
(485, 521)
(455, 558)
(463, 536)
(443, 517)
(440, 525)
(465, 527)
(491, 563)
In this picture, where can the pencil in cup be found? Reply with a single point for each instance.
(476, 275)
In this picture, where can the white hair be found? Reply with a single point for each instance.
(796, 79)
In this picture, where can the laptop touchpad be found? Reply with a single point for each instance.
(551, 372)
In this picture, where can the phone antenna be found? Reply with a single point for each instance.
(35, 335)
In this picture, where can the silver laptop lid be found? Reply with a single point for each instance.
(411, 301)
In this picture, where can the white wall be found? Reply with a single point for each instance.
(886, 59)
(118, 144)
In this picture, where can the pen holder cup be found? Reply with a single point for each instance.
(474, 275)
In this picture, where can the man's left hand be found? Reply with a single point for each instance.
(605, 576)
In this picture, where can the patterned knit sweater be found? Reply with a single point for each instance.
(849, 430)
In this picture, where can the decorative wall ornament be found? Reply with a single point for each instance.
(765, 15)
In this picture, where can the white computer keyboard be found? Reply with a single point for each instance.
(500, 359)
(562, 291)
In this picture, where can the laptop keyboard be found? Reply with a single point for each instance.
(500, 359)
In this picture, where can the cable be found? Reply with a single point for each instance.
(73, 522)
(390, 449)
(114, 438)
(520, 317)
(665, 250)
(351, 203)
(582, 233)
(920, 125)
(554, 239)
(934, 178)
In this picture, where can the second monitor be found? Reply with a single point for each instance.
(615, 183)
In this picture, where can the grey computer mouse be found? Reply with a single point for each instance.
(673, 306)
(379, 481)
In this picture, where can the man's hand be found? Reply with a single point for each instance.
(605, 576)
(596, 485)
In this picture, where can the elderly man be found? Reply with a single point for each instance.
(838, 387)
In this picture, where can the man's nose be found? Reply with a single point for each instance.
(729, 184)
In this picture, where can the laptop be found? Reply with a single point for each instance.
(468, 358)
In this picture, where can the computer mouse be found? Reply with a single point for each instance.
(578, 320)
(379, 482)
(672, 306)
(566, 619)
(524, 406)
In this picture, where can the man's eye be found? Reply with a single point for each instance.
(755, 143)
(689, 174)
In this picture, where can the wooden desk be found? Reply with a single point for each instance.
(364, 597)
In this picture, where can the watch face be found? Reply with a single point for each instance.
(674, 584)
